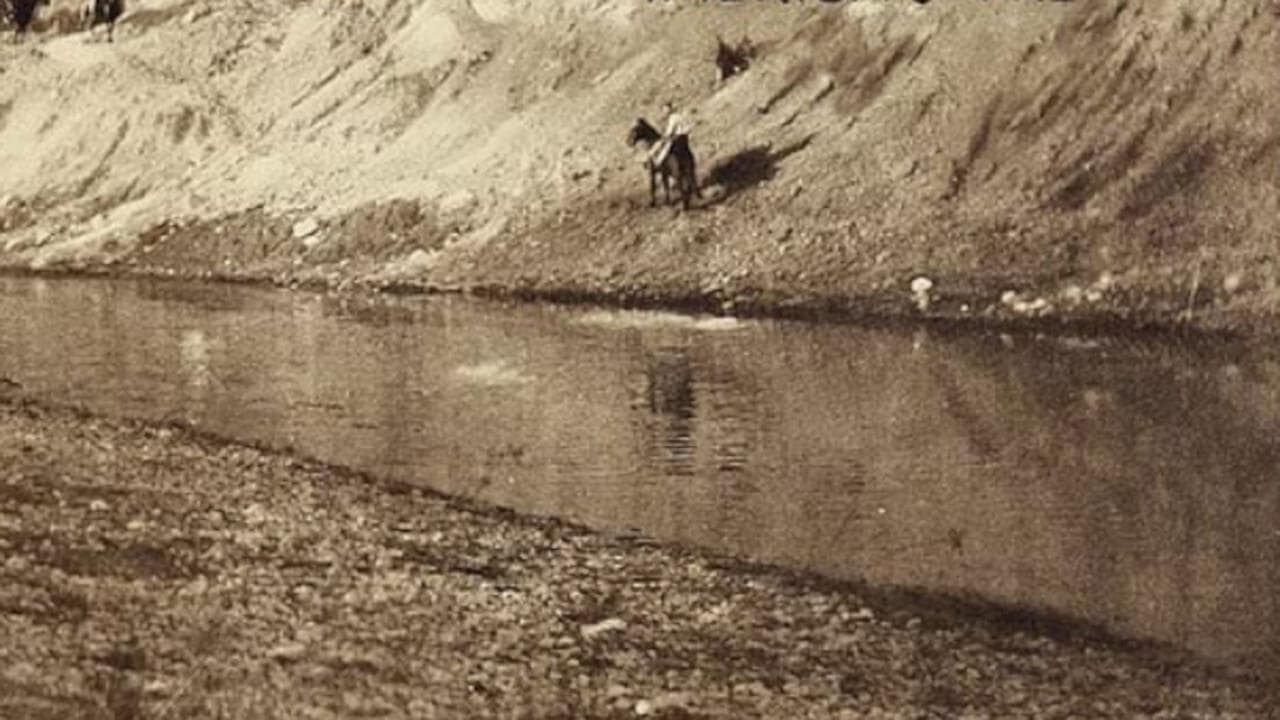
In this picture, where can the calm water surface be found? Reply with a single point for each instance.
(1133, 485)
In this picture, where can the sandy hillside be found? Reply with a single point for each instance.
(1099, 159)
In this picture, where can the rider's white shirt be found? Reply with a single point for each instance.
(678, 124)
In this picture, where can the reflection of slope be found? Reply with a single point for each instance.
(980, 429)
(1137, 477)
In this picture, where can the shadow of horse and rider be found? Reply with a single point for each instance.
(678, 165)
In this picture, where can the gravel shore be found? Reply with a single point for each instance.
(149, 572)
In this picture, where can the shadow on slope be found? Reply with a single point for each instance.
(751, 167)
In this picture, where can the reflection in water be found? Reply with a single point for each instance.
(672, 406)
(195, 358)
(1127, 484)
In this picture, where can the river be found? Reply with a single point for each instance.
(1129, 484)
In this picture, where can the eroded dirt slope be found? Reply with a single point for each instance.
(1095, 159)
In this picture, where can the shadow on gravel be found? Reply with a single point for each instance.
(750, 167)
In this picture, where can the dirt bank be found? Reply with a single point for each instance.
(1111, 161)
(153, 573)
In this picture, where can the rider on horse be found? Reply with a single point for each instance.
(676, 131)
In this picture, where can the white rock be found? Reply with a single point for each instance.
(419, 260)
(255, 514)
(1232, 283)
(921, 285)
(305, 228)
(604, 626)
(288, 652)
(99, 506)
(157, 688)
(671, 700)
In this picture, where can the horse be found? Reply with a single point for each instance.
(678, 163)
(20, 13)
(731, 60)
(102, 12)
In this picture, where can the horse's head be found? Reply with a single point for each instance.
(643, 132)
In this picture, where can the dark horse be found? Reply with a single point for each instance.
(19, 13)
(679, 164)
(103, 12)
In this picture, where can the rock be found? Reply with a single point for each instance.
(305, 228)
(1231, 283)
(604, 626)
(419, 260)
(157, 688)
(672, 700)
(195, 588)
(664, 701)
(920, 287)
(754, 688)
(287, 652)
(255, 514)
(1037, 305)
(99, 505)
(826, 84)
(312, 241)
(457, 202)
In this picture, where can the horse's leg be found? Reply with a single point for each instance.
(653, 188)
(666, 185)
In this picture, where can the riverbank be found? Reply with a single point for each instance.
(151, 572)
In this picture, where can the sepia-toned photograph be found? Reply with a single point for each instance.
(611, 359)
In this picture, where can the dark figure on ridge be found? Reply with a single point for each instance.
(20, 13)
(103, 12)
